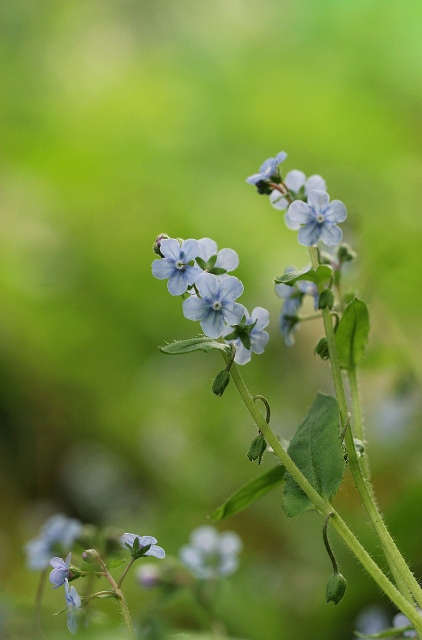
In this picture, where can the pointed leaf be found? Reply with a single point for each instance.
(318, 452)
(352, 334)
(200, 343)
(321, 275)
(113, 563)
(250, 492)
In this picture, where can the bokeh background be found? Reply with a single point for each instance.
(121, 119)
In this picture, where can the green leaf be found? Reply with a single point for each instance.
(113, 563)
(318, 452)
(352, 334)
(250, 492)
(321, 275)
(200, 343)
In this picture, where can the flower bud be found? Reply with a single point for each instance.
(321, 349)
(257, 448)
(91, 556)
(326, 299)
(345, 253)
(336, 587)
(220, 383)
(157, 244)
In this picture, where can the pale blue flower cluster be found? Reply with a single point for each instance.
(268, 169)
(197, 270)
(211, 554)
(293, 299)
(305, 201)
(57, 534)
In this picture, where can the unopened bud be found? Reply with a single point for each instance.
(257, 448)
(91, 556)
(345, 253)
(220, 383)
(321, 349)
(326, 299)
(157, 244)
(336, 588)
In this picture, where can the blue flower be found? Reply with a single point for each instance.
(299, 186)
(267, 169)
(214, 261)
(59, 531)
(73, 603)
(293, 298)
(144, 541)
(400, 621)
(217, 305)
(60, 572)
(211, 554)
(175, 264)
(317, 218)
(249, 336)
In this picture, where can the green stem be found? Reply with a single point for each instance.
(123, 576)
(38, 602)
(324, 507)
(120, 597)
(357, 420)
(398, 566)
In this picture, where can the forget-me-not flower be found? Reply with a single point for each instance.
(214, 261)
(57, 534)
(60, 572)
(318, 218)
(249, 336)
(144, 541)
(211, 554)
(216, 307)
(299, 186)
(268, 169)
(293, 298)
(176, 264)
(73, 603)
(400, 621)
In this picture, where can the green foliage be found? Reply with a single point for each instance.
(249, 493)
(220, 383)
(321, 275)
(257, 448)
(318, 452)
(201, 343)
(352, 334)
(326, 299)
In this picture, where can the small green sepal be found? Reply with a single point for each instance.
(220, 383)
(345, 253)
(326, 299)
(321, 349)
(336, 588)
(257, 448)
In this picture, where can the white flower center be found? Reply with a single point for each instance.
(320, 217)
(216, 305)
(180, 265)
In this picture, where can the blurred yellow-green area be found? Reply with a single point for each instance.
(121, 119)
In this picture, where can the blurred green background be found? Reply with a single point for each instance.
(121, 119)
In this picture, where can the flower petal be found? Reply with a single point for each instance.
(227, 259)
(127, 538)
(170, 248)
(190, 249)
(278, 201)
(294, 180)
(280, 157)
(256, 177)
(315, 182)
(336, 212)
(318, 200)
(177, 283)
(207, 248)
(162, 268)
(242, 355)
(156, 551)
(205, 538)
(232, 313)
(268, 168)
(230, 289)
(195, 308)
(330, 234)
(309, 234)
(208, 286)
(262, 318)
(299, 213)
(213, 324)
(259, 340)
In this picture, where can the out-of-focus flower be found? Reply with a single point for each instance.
(268, 169)
(142, 542)
(176, 264)
(400, 621)
(57, 534)
(293, 298)
(249, 336)
(211, 554)
(73, 603)
(216, 307)
(318, 218)
(148, 575)
(214, 261)
(60, 571)
(372, 620)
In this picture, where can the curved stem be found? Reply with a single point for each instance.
(324, 507)
(403, 576)
(120, 597)
(123, 576)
